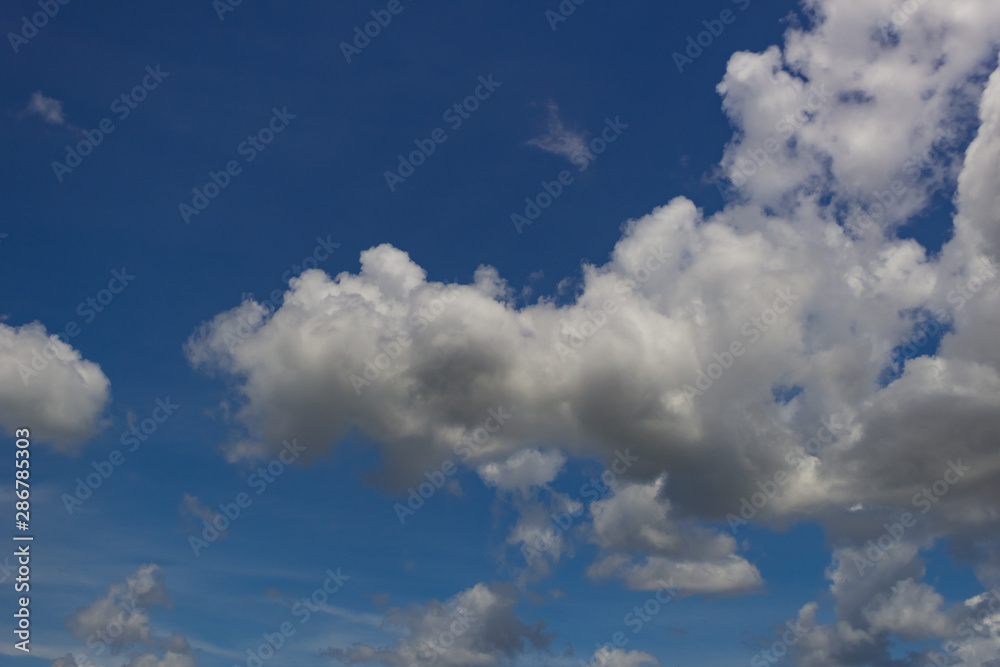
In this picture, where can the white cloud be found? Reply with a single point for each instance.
(882, 99)
(912, 610)
(523, 471)
(728, 575)
(50, 109)
(861, 138)
(48, 387)
(635, 519)
(682, 554)
(977, 642)
(890, 601)
(561, 141)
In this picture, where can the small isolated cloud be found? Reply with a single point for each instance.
(192, 507)
(559, 140)
(49, 108)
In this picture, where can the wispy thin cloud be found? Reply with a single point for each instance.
(193, 507)
(49, 108)
(558, 139)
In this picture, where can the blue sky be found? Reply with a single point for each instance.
(228, 277)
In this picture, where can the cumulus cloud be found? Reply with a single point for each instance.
(976, 641)
(635, 519)
(884, 95)
(48, 108)
(295, 368)
(681, 344)
(889, 601)
(559, 140)
(476, 627)
(524, 470)
(678, 553)
(48, 386)
(911, 610)
(540, 541)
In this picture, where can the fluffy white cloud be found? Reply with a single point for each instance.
(626, 384)
(976, 642)
(48, 387)
(911, 610)
(523, 471)
(676, 346)
(635, 519)
(885, 95)
(873, 606)
(682, 554)
(476, 627)
(719, 576)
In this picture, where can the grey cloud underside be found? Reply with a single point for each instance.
(48, 387)
(476, 627)
(118, 623)
(685, 288)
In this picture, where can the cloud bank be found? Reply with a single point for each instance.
(718, 348)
